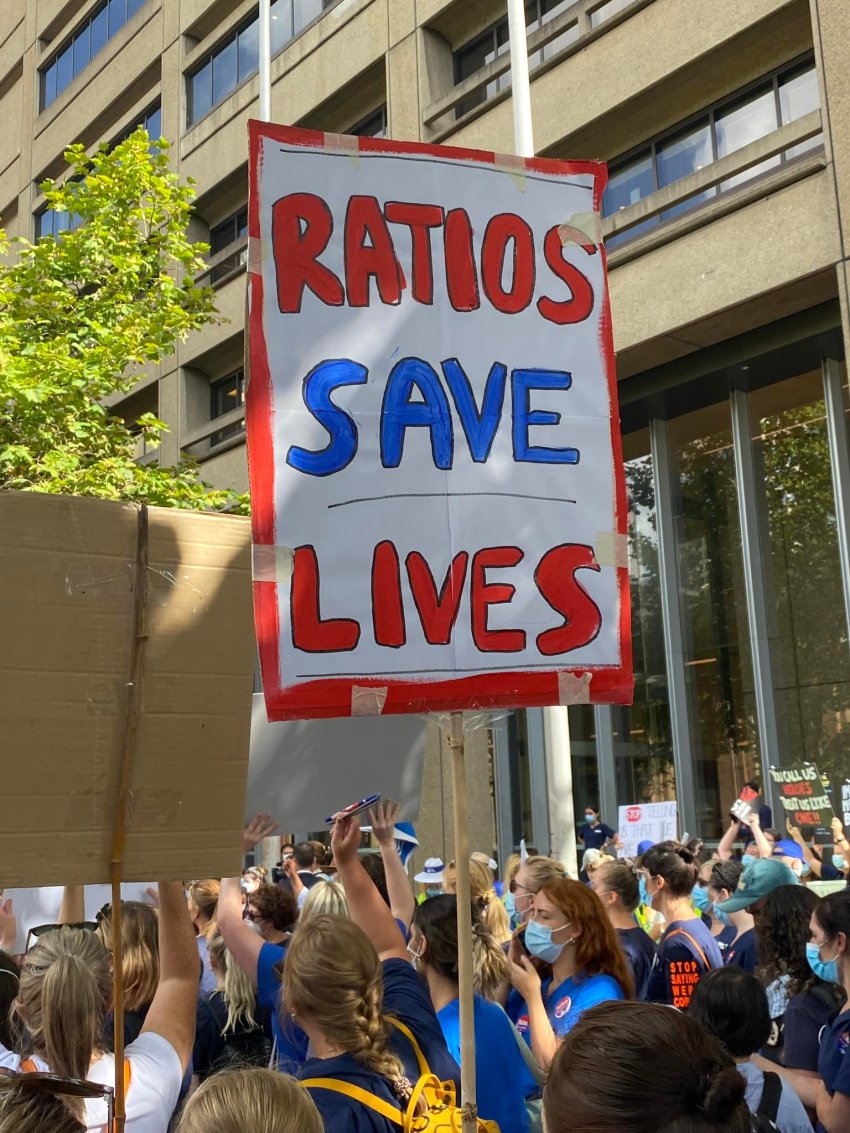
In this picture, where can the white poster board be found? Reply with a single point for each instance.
(641, 822)
(34, 907)
(439, 512)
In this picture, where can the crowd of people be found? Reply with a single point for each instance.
(679, 991)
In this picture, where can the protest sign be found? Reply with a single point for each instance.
(640, 822)
(845, 804)
(68, 592)
(438, 499)
(747, 804)
(805, 799)
(300, 771)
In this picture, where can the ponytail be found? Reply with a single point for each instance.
(239, 997)
(436, 919)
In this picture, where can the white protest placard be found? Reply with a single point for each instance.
(439, 512)
(642, 822)
(845, 804)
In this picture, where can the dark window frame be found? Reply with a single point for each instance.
(218, 409)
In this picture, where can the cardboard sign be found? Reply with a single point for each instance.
(304, 770)
(438, 496)
(804, 798)
(655, 822)
(747, 804)
(67, 570)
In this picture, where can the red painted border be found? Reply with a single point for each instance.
(332, 696)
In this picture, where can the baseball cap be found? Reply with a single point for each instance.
(645, 845)
(485, 859)
(433, 871)
(788, 848)
(758, 879)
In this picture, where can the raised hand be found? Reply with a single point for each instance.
(261, 826)
(383, 819)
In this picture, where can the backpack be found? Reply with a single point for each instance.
(764, 1119)
(442, 1113)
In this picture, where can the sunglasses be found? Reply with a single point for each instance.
(43, 929)
(56, 1086)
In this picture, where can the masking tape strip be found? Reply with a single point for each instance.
(255, 256)
(581, 228)
(271, 563)
(612, 549)
(573, 689)
(515, 167)
(367, 701)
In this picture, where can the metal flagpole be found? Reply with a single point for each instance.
(265, 60)
(520, 86)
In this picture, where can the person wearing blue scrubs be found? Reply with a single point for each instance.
(616, 886)
(569, 930)
(503, 1080)
(829, 957)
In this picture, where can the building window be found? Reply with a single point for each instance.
(77, 52)
(152, 122)
(607, 11)
(373, 126)
(232, 230)
(476, 54)
(226, 395)
(788, 94)
(236, 59)
(53, 222)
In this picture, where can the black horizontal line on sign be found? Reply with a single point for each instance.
(519, 668)
(447, 496)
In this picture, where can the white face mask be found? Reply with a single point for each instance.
(415, 957)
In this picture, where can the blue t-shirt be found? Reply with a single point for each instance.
(341, 1114)
(406, 997)
(725, 938)
(565, 1003)
(686, 952)
(641, 953)
(290, 1039)
(502, 1079)
(808, 1017)
(743, 952)
(595, 837)
(833, 1066)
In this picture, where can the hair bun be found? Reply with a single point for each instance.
(722, 1092)
(686, 855)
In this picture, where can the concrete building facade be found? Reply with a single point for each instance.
(727, 220)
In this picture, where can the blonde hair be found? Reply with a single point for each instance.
(236, 987)
(63, 996)
(494, 915)
(593, 859)
(511, 866)
(203, 895)
(264, 1101)
(333, 976)
(25, 1110)
(324, 898)
(541, 870)
(140, 942)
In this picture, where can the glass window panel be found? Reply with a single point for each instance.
(585, 768)
(224, 73)
(99, 31)
(64, 68)
(117, 15)
(520, 786)
(628, 185)
(374, 126)
(549, 10)
(304, 12)
(48, 85)
(249, 51)
(200, 93)
(743, 123)
(281, 12)
(153, 124)
(43, 226)
(643, 741)
(683, 155)
(798, 96)
(241, 224)
(226, 395)
(82, 49)
(718, 664)
(802, 573)
(133, 7)
(222, 235)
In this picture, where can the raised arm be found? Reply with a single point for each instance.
(172, 1013)
(365, 903)
(842, 846)
(241, 940)
(797, 834)
(399, 889)
(73, 907)
(762, 845)
(724, 846)
(8, 925)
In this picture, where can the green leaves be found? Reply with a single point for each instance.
(78, 315)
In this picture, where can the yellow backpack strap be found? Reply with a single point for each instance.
(337, 1086)
(424, 1068)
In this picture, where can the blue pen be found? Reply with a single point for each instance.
(354, 808)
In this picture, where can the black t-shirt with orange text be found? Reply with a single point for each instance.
(686, 951)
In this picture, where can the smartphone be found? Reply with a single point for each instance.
(355, 808)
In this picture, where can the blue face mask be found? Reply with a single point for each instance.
(701, 899)
(825, 969)
(644, 896)
(433, 891)
(805, 869)
(719, 915)
(748, 859)
(839, 862)
(589, 816)
(538, 941)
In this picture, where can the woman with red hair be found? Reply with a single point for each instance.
(568, 930)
